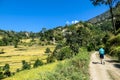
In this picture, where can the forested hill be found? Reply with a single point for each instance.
(105, 16)
(101, 17)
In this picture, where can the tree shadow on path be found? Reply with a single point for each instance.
(96, 62)
(116, 63)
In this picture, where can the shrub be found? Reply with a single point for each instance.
(115, 51)
(115, 40)
(25, 65)
(48, 50)
(112, 46)
(75, 48)
(6, 67)
(17, 70)
(1, 73)
(37, 63)
(118, 31)
(90, 47)
(75, 68)
(64, 53)
(50, 59)
(7, 73)
(6, 70)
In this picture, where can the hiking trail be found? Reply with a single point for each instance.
(108, 71)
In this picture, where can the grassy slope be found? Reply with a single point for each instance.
(14, 56)
(33, 74)
(70, 69)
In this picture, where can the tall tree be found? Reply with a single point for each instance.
(111, 4)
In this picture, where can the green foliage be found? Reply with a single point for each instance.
(113, 46)
(114, 40)
(117, 11)
(47, 50)
(25, 65)
(17, 70)
(64, 53)
(7, 73)
(114, 51)
(72, 69)
(6, 70)
(111, 4)
(38, 63)
(91, 47)
(106, 26)
(50, 59)
(6, 67)
(1, 73)
(118, 31)
(106, 37)
(74, 48)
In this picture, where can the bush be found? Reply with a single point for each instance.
(91, 47)
(6, 67)
(25, 65)
(115, 40)
(6, 70)
(7, 73)
(50, 59)
(38, 63)
(48, 50)
(17, 70)
(64, 53)
(112, 46)
(72, 69)
(75, 48)
(1, 73)
(115, 52)
(118, 31)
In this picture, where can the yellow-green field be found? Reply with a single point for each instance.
(33, 74)
(14, 56)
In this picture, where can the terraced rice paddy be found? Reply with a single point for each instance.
(14, 56)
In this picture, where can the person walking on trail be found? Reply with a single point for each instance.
(101, 53)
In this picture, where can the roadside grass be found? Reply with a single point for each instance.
(14, 56)
(75, 68)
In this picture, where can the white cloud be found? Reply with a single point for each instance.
(72, 22)
(75, 21)
(67, 22)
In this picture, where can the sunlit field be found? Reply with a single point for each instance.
(14, 56)
(33, 74)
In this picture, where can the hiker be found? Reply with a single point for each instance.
(101, 53)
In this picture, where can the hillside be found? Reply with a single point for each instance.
(106, 15)
(68, 44)
(102, 17)
(75, 68)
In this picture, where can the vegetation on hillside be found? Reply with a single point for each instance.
(75, 68)
(68, 41)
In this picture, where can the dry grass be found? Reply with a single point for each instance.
(14, 56)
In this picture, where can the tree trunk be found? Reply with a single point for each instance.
(112, 17)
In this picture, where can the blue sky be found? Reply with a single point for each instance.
(33, 15)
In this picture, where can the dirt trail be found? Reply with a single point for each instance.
(109, 71)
